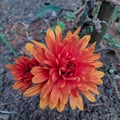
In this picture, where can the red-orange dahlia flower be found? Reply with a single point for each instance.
(21, 71)
(67, 69)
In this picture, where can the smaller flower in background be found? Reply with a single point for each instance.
(67, 70)
(21, 71)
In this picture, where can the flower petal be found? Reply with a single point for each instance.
(68, 35)
(39, 69)
(98, 81)
(84, 42)
(30, 48)
(89, 96)
(61, 83)
(73, 101)
(63, 98)
(50, 40)
(80, 103)
(38, 44)
(93, 57)
(99, 74)
(97, 64)
(58, 33)
(44, 102)
(48, 87)
(60, 106)
(76, 32)
(18, 85)
(34, 90)
(54, 96)
(39, 78)
(91, 87)
(51, 34)
(36, 70)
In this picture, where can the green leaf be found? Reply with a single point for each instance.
(112, 40)
(90, 29)
(42, 31)
(117, 44)
(70, 16)
(106, 36)
(48, 9)
(53, 28)
(2, 37)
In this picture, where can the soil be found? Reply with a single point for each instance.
(19, 23)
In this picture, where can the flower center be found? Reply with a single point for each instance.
(68, 70)
(71, 65)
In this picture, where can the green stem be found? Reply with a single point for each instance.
(105, 14)
(2, 37)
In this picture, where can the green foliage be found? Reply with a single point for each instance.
(48, 9)
(106, 36)
(90, 29)
(112, 41)
(4, 40)
(117, 44)
(69, 16)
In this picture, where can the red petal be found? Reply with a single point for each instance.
(61, 83)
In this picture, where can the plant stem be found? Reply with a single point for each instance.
(2, 37)
(105, 14)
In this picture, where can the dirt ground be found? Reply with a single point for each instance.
(18, 22)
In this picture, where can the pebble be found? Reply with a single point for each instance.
(2, 71)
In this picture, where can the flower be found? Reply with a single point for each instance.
(67, 70)
(21, 70)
